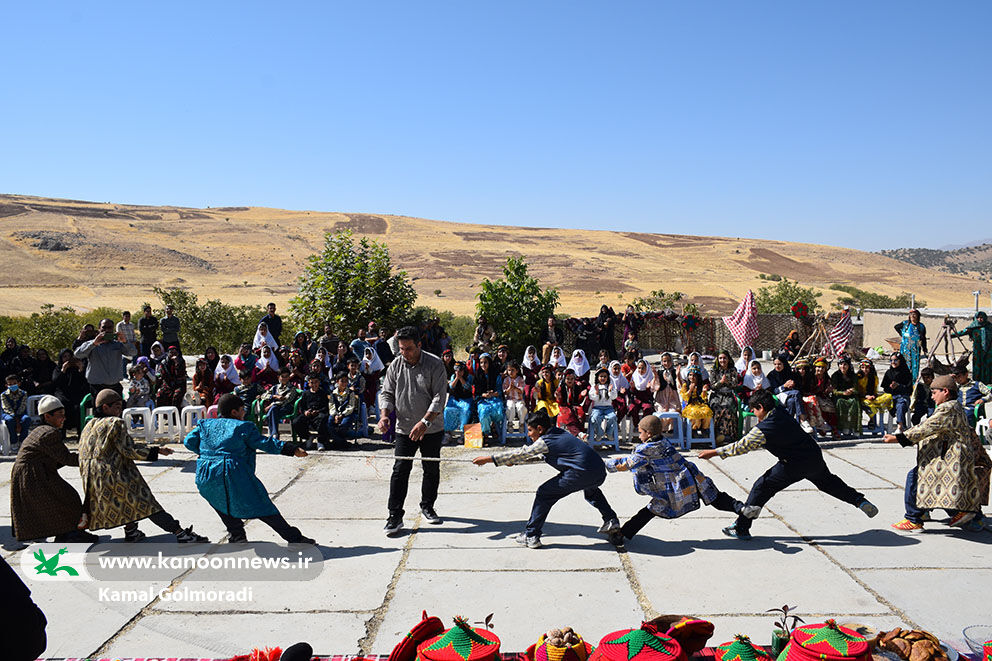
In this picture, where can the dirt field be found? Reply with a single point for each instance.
(84, 254)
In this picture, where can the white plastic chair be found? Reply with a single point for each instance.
(33, 402)
(626, 429)
(135, 415)
(166, 422)
(982, 429)
(191, 415)
(4, 440)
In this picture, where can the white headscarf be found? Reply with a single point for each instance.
(742, 362)
(703, 374)
(559, 361)
(579, 364)
(751, 381)
(327, 357)
(272, 361)
(261, 340)
(531, 363)
(230, 373)
(619, 381)
(373, 364)
(642, 381)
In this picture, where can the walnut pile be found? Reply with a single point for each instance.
(911, 645)
(561, 637)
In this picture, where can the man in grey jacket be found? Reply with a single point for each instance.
(416, 387)
(105, 358)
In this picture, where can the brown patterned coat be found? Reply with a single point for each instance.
(42, 504)
(952, 466)
(116, 493)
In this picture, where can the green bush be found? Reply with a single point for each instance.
(515, 305)
(866, 300)
(778, 298)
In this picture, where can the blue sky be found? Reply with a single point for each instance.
(857, 124)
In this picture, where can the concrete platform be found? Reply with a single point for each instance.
(809, 550)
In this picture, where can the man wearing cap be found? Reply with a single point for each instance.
(952, 468)
(416, 388)
(42, 504)
(580, 468)
(104, 357)
(115, 492)
(799, 458)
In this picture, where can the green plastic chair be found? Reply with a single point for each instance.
(258, 417)
(86, 410)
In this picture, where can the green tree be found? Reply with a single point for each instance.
(348, 285)
(515, 305)
(778, 298)
(866, 300)
(662, 300)
(212, 323)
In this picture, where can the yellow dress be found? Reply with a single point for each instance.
(544, 393)
(881, 402)
(695, 408)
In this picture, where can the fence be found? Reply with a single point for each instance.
(711, 335)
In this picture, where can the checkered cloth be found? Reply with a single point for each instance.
(839, 335)
(743, 323)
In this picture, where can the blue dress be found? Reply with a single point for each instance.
(225, 470)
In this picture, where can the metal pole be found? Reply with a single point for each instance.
(977, 293)
(912, 301)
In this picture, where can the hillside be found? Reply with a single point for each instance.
(974, 261)
(87, 254)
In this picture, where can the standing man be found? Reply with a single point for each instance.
(126, 328)
(273, 322)
(416, 388)
(170, 329)
(148, 327)
(799, 458)
(104, 356)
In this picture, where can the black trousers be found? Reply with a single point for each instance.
(303, 425)
(236, 527)
(783, 475)
(146, 346)
(723, 501)
(162, 519)
(561, 485)
(399, 482)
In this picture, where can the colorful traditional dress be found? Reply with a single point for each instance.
(871, 400)
(458, 409)
(115, 492)
(724, 404)
(491, 410)
(952, 466)
(571, 414)
(980, 332)
(695, 407)
(544, 396)
(913, 344)
(848, 406)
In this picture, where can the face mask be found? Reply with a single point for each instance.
(14, 387)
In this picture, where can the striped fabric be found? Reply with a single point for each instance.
(743, 323)
(840, 335)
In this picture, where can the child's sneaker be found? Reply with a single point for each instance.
(907, 526)
(868, 508)
(187, 536)
(732, 531)
(610, 526)
(961, 519)
(530, 542)
(750, 511)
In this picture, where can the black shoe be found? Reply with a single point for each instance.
(240, 538)
(616, 538)
(732, 531)
(187, 536)
(77, 537)
(431, 516)
(133, 536)
(394, 524)
(305, 540)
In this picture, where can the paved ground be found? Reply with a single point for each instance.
(810, 551)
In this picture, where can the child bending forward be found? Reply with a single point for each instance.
(675, 485)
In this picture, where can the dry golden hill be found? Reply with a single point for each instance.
(87, 254)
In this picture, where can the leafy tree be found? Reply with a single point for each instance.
(348, 285)
(460, 328)
(778, 298)
(515, 305)
(866, 300)
(212, 323)
(662, 300)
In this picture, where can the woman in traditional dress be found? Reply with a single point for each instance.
(898, 382)
(580, 365)
(952, 468)
(545, 392)
(448, 358)
(783, 384)
(212, 357)
(754, 380)
(606, 322)
(641, 392)
(458, 410)
(980, 332)
(666, 391)
(845, 384)
(872, 402)
(226, 378)
(203, 381)
(171, 380)
(487, 387)
(792, 345)
(530, 369)
(694, 395)
(571, 398)
(42, 504)
(725, 381)
(818, 399)
(914, 341)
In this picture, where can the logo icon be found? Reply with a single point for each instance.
(50, 566)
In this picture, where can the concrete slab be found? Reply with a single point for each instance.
(889, 462)
(747, 468)
(226, 634)
(523, 604)
(942, 601)
(731, 576)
